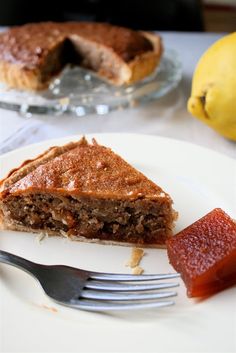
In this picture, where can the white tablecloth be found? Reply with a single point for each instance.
(164, 117)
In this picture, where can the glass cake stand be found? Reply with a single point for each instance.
(80, 92)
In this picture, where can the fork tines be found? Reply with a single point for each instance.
(125, 292)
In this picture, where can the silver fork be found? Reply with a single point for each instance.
(97, 291)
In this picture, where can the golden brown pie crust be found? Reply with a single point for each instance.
(95, 188)
(32, 54)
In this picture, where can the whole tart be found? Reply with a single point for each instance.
(86, 192)
(32, 54)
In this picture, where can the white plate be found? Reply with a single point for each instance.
(198, 180)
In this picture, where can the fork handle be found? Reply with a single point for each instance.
(17, 261)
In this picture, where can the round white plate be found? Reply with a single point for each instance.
(198, 181)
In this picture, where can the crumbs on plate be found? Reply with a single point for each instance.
(50, 308)
(137, 270)
(134, 261)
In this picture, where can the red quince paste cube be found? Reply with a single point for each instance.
(205, 254)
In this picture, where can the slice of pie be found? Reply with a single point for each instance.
(32, 54)
(86, 192)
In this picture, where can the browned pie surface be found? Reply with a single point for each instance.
(86, 191)
(29, 44)
(89, 169)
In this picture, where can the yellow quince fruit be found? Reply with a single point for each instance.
(213, 96)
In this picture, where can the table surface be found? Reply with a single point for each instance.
(167, 116)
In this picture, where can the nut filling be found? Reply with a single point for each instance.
(139, 221)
